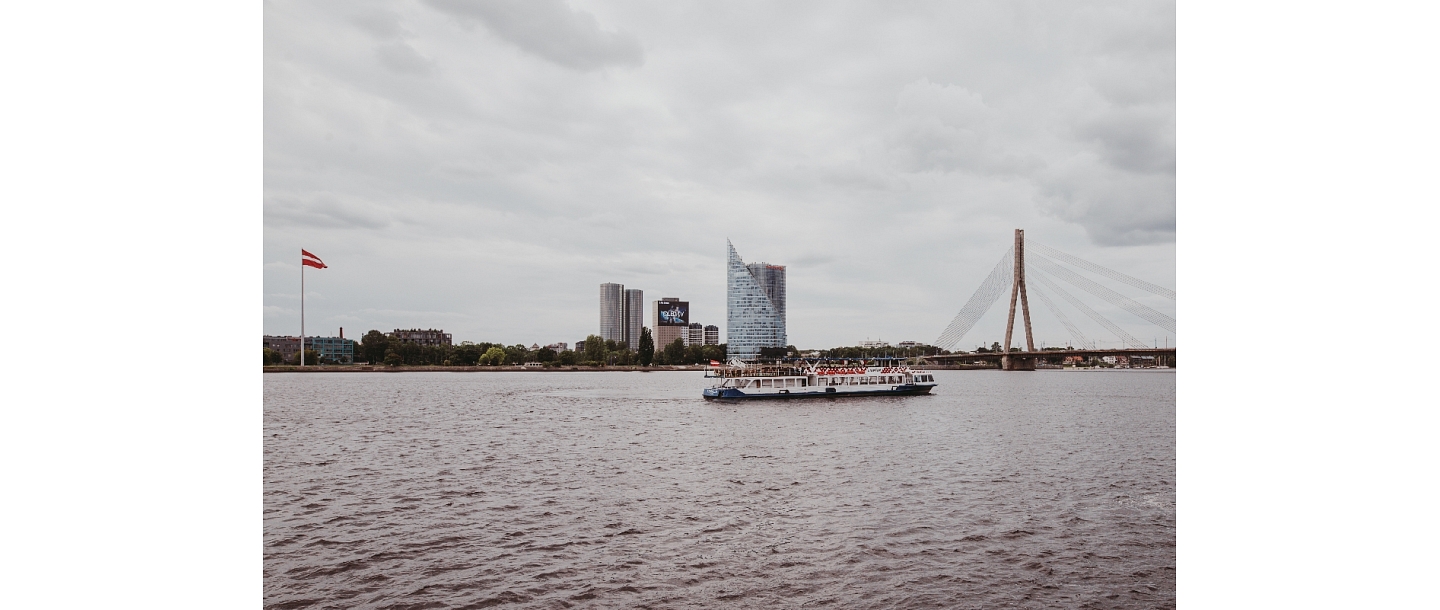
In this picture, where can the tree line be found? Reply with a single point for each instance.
(376, 347)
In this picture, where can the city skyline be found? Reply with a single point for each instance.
(885, 161)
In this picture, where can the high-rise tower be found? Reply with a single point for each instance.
(634, 316)
(612, 312)
(755, 306)
(622, 311)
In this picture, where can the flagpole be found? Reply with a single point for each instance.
(302, 311)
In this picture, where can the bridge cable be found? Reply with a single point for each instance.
(1125, 337)
(1114, 298)
(1099, 270)
(984, 298)
(1080, 340)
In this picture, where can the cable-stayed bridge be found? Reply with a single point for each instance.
(1047, 270)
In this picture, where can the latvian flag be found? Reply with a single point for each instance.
(310, 260)
(714, 363)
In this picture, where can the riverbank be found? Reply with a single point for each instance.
(380, 368)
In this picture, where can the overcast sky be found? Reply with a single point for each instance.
(483, 167)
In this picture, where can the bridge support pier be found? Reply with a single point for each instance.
(1018, 364)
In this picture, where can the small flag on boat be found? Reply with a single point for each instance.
(714, 363)
(310, 260)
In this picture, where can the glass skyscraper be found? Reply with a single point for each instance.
(621, 314)
(634, 317)
(612, 312)
(755, 306)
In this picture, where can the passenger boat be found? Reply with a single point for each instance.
(815, 378)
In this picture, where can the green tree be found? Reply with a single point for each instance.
(567, 357)
(273, 357)
(494, 356)
(467, 354)
(545, 355)
(373, 346)
(392, 358)
(647, 347)
(594, 348)
(675, 352)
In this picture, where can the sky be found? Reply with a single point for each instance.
(482, 167)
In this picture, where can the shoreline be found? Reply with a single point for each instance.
(380, 368)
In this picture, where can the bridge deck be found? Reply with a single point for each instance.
(1160, 351)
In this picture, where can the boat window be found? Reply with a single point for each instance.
(744, 383)
(873, 380)
(764, 383)
(789, 383)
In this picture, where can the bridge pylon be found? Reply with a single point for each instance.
(1017, 293)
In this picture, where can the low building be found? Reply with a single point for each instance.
(909, 344)
(422, 337)
(557, 347)
(695, 334)
(286, 345)
(873, 344)
(333, 350)
(712, 335)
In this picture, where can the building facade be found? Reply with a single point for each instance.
(670, 320)
(287, 346)
(754, 306)
(712, 335)
(695, 334)
(337, 350)
(612, 312)
(772, 280)
(333, 350)
(428, 336)
(622, 313)
(634, 317)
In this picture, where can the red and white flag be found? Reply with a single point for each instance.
(714, 363)
(310, 260)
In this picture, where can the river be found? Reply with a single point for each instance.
(627, 490)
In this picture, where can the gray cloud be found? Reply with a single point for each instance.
(550, 29)
(885, 152)
(323, 210)
(403, 58)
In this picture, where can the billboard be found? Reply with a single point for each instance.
(672, 313)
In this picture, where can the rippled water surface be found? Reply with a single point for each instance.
(589, 489)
